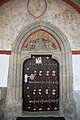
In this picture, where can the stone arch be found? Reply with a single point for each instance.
(54, 31)
(63, 57)
(62, 40)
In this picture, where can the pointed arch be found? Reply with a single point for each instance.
(45, 26)
(63, 56)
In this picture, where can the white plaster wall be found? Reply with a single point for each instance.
(76, 81)
(76, 71)
(4, 65)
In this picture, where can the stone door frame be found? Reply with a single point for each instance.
(63, 57)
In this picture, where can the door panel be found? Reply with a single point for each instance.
(40, 84)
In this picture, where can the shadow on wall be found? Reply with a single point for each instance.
(2, 100)
(77, 99)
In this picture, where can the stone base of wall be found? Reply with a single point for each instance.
(12, 110)
(1, 110)
(2, 102)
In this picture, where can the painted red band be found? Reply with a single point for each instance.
(74, 52)
(74, 5)
(7, 52)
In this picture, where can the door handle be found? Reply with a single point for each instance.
(32, 76)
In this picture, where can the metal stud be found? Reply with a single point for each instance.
(53, 74)
(47, 91)
(39, 93)
(48, 108)
(47, 71)
(34, 74)
(33, 57)
(30, 63)
(27, 68)
(34, 93)
(28, 96)
(34, 109)
(47, 74)
(34, 89)
(40, 71)
(25, 80)
(35, 71)
(53, 90)
(55, 108)
(53, 71)
(29, 107)
(40, 108)
(27, 87)
(40, 74)
(47, 57)
(53, 93)
(30, 101)
(39, 89)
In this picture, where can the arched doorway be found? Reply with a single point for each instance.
(42, 39)
(41, 84)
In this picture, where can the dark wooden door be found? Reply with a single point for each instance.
(40, 84)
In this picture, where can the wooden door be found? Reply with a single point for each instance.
(41, 84)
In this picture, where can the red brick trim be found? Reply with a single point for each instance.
(7, 52)
(74, 5)
(76, 52)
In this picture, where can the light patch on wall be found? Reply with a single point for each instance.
(4, 65)
(76, 71)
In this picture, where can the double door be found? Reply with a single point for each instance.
(41, 84)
